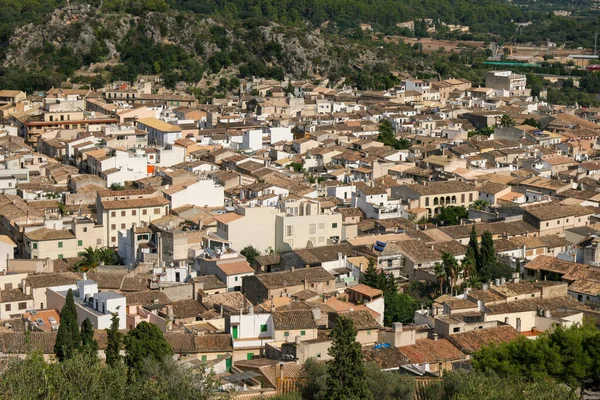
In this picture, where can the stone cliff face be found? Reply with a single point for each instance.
(78, 26)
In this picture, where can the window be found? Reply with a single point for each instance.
(290, 242)
(312, 229)
(113, 239)
(80, 243)
(134, 212)
(286, 334)
(263, 328)
(60, 245)
(85, 229)
(157, 211)
(557, 222)
(547, 223)
(7, 307)
(289, 230)
(318, 355)
(303, 333)
(123, 213)
(113, 226)
(7, 286)
(334, 225)
(567, 220)
(113, 213)
(144, 212)
(34, 246)
(236, 278)
(470, 197)
(22, 305)
(204, 358)
(426, 201)
(369, 332)
(122, 226)
(60, 256)
(98, 242)
(321, 225)
(462, 198)
(457, 329)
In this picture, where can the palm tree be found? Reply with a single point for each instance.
(473, 281)
(451, 268)
(480, 204)
(440, 274)
(91, 259)
(507, 121)
(468, 267)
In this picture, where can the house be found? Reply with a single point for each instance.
(230, 270)
(91, 304)
(51, 243)
(259, 288)
(435, 195)
(294, 325)
(7, 251)
(38, 285)
(202, 192)
(13, 303)
(160, 133)
(553, 218)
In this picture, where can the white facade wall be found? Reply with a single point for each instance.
(252, 139)
(204, 193)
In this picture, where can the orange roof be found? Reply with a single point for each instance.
(366, 290)
(430, 351)
(235, 267)
(44, 316)
(228, 217)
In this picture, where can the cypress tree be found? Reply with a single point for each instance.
(67, 339)
(347, 378)
(487, 256)
(145, 342)
(114, 340)
(88, 343)
(473, 250)
(371, 276)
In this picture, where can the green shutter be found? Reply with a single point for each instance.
(80, 243)
(60, 244)
(249, 356)
(286, 334)
(35, 245)
(204, 358)
(302, 333)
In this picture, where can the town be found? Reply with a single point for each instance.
(436, 216)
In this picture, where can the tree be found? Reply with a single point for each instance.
(88, 343)
(487, 256)
(116, 186)
(451, 268)
(451, 215)
(472, 253)
(67, 339)
(92, 258)
(371, 275)
(399, 307)
(440, 275)
(507, 121)
(480, 204)
(531, 122)
(250, 252)
(145, 342)
(314, 378)
(346, 372)
(114, 340)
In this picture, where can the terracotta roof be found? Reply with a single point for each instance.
(294, 278)
(386, 357)
(362, 319)
(210, 282)
(146, 298)
(134, 284)
(188, 308)
(50, 280)
(50, 234)
(534, 304)
(228, 217)
(234, 267)
(552, 210)
(431, 351)
(207, 343)
(443, 187)
(472, 341)
(134, 203)
(296, 319)
(366, 290)
(11, 295)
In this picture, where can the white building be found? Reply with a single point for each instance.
(202, 193)
(252, 139)
(97, 307)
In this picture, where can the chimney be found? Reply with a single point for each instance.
(497, 282)
(519, 324)
(397, 326)
(250, 309)
(298, 340)
(502, 281)
(435, 337)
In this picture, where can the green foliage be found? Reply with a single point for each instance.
(314, 377)
(296, 166)
(568, 355)
(250, 252)
(346, 378)
(399, 307)
(145, 342)
(507, 121)
(532, 122)
(387, 136)
(114, 342)
(480, 204)
(116, 186)
(463, 385)
(67, 339)
(451, 215)
(88, 343)
(83, 377)
(135, 7)
(93, 257)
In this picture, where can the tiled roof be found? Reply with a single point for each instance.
(362, 319)
(552, 210)
(386, 357)
(134, 203)
(366, 290)
(293, 278)
(50, 234)
(187, 343)
(443, 187)
(50, 280)
(472, 341)
(146, 298)
(296, 319)
(431, 351)
(10, 295)
(234, 267)
(534, 304)
(210, 282)
(188, 308)
(134, 284)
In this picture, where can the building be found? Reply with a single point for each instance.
(52, 243)
(160, 133)
(435, 195)
(507, 83)
(96, 306)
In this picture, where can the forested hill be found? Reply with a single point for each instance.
(45, 42)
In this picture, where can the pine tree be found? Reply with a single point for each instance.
(67, 339)
(88, 343)
(114, 339)
(347, 378)
(487, 256)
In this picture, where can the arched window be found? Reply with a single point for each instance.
(435, 201)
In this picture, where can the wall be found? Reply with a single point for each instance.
(178, 292)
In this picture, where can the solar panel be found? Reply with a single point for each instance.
(242, 376)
